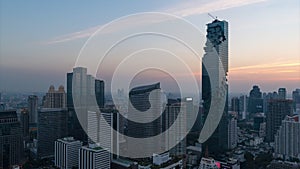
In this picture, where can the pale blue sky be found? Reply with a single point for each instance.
(264, 38)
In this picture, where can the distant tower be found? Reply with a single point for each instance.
(33, 108)
(232, 133)
(296, 100)
(282, 93)
(277, 110)
(55, 99)
(99, 91)
(24, 117)
(217, 39)
(255, 101)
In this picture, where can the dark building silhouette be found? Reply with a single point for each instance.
(99, 91)
(140, 102)
(24, 118)
(11, 140)
(282, 93)
(52, 125)
(296, 100)
(258, 119)
(277, 111)
(217, 38)
(235, 105)
(255, 104)
(33, 108)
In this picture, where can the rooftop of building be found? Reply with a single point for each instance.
(8, 114)
(145, 88)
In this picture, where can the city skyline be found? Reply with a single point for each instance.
(51, 43)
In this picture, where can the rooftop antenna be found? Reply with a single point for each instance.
(214, 17)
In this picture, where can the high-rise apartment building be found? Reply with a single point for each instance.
(99, 133)
(55, 98)
(33, 108)
(52, 125)
(94, 157)
(277, 110)
(11, 140)
(287, 138)
(66, 153)
(178, 110)
(232, 133)
(217, 39)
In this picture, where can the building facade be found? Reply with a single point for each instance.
(33, 108)
(11, 140)
(52, 125)
(94, 157)
(55, 98)
(277, 110)
(217, 40)
(287, 138)
(66, 153)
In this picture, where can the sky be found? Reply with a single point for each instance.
(40, 41)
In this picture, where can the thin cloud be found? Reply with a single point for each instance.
(265, 66)
(189, 8)
(182, 9)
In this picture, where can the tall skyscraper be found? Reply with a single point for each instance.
(66, 153)
(255, 101)
(232, 133)
(172, 113)
(98, 132)
(24, 118)
(235, 105)
(296, 100)
(277, 110)
(287, 138)
(94, 157)
(282, 93)
(243, 103)
(33, 108)
(266, 98)
(55, 98)
(86, 88)
(99, 91)
(140, 102)
(11, 140)
(217, 39)
(52, 125)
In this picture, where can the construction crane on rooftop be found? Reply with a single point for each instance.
(214, 17)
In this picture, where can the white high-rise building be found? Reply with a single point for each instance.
(66, 153)
(287, 138)
(232, 133)
(94, 157)
(99, 133)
